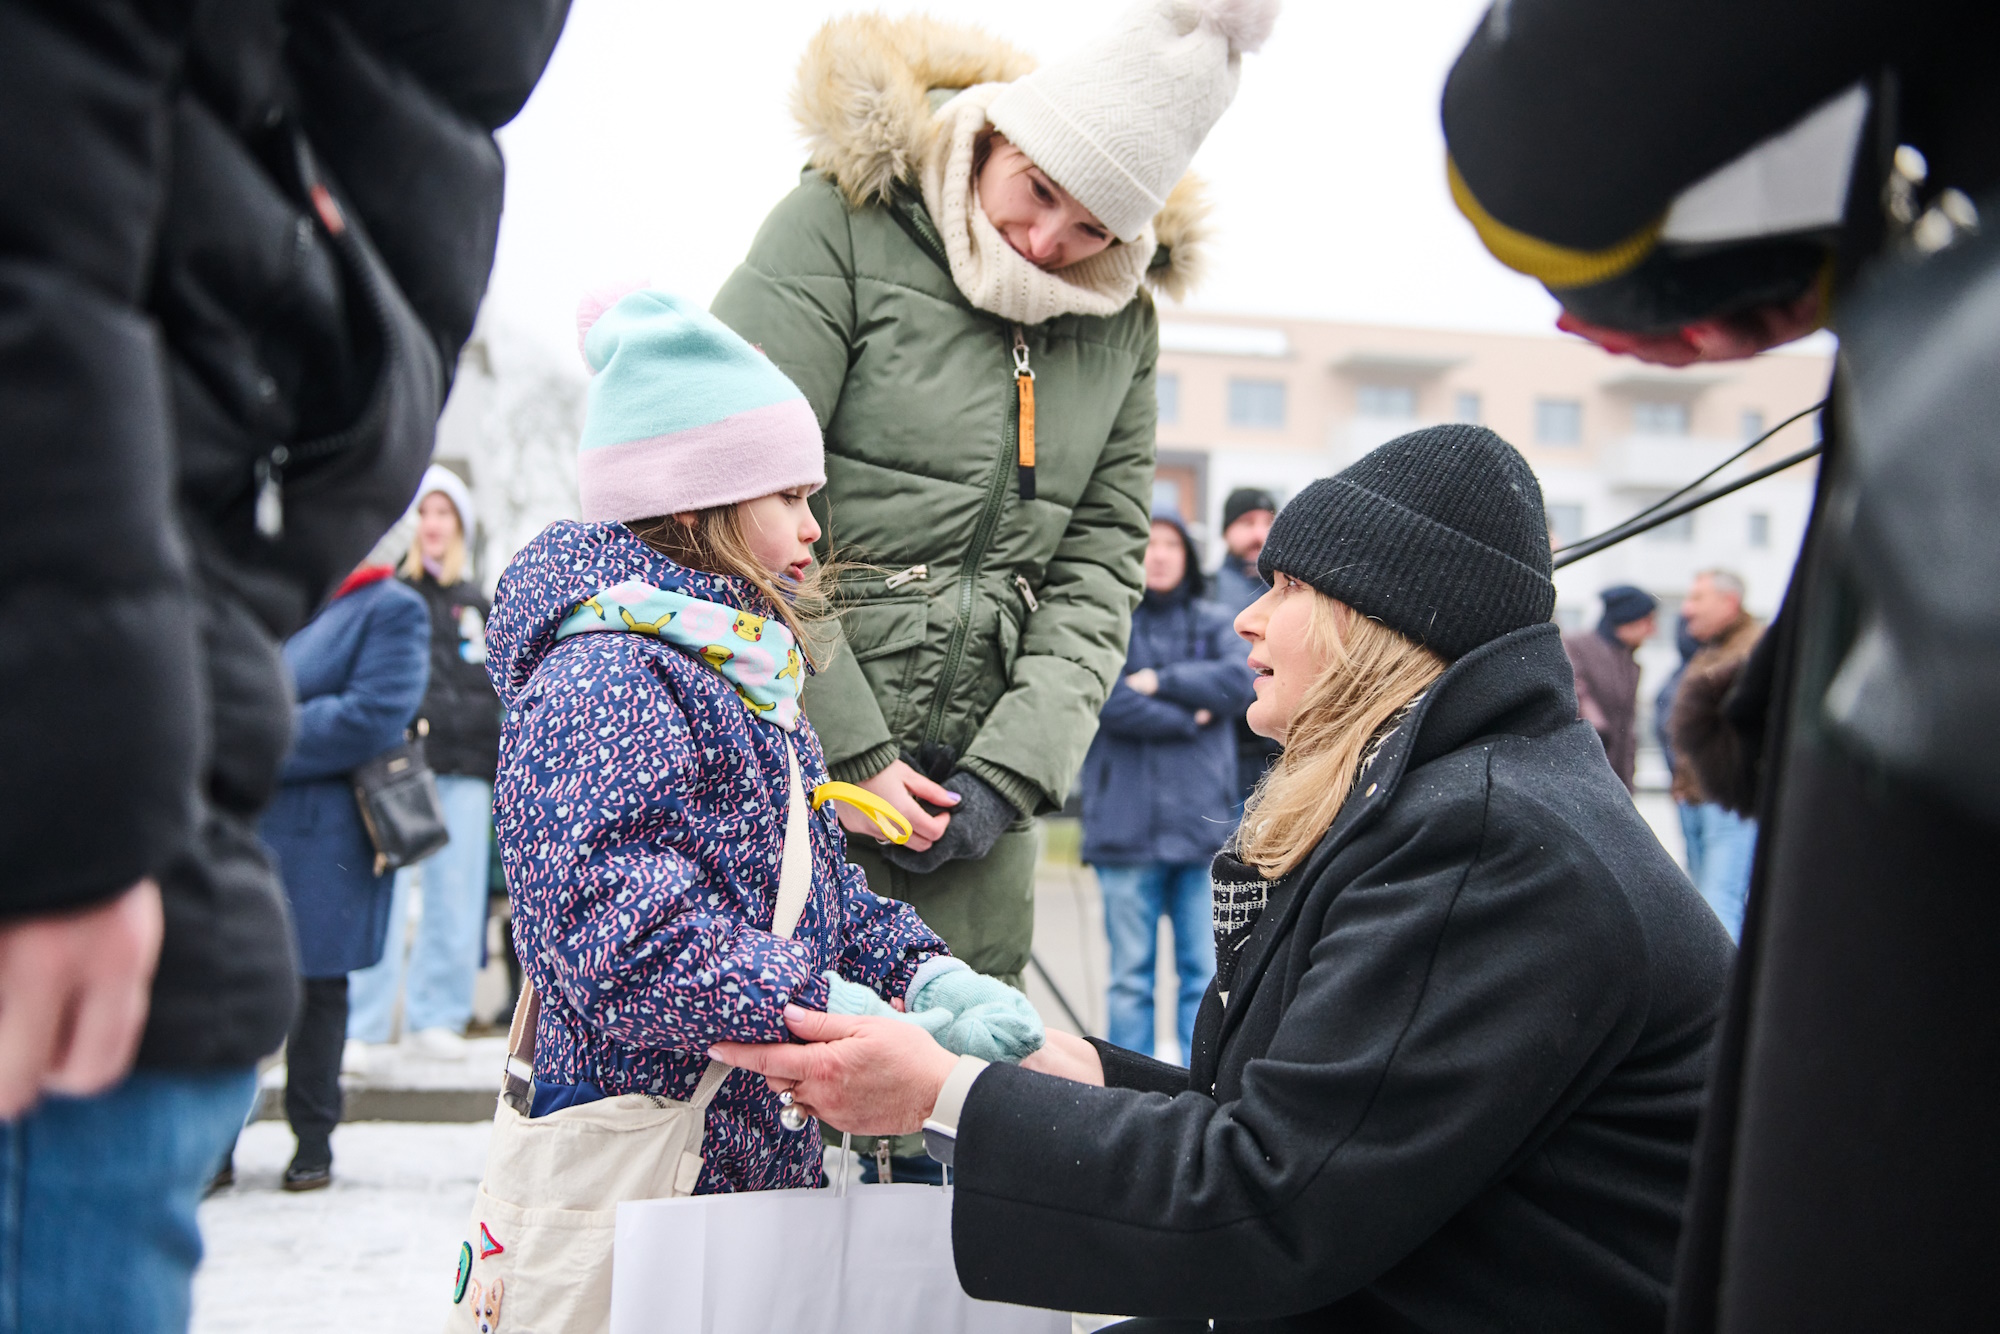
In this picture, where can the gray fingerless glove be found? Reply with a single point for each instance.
(977, 822)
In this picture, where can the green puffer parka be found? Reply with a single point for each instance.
(983, 624)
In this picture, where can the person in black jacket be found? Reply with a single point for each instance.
(1448, 1076)
(1159, 786)
(461, 724)
(1835, 159)
(240, 246)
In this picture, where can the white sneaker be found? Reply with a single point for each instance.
(354, 1057)
(440, 1044)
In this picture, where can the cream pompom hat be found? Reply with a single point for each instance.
(1117, 123)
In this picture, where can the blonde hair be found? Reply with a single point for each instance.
(1372, 673)
(714, 544)
(451, 568)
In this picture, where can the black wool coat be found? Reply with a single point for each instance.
(240, 247)
(1455, 1086)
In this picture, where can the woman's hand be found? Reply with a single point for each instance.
(871, 1076)
(902, 787)
(1732, 339)
(1067, 1056)
(1146, 681)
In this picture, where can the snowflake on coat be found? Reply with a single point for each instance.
(640, 811)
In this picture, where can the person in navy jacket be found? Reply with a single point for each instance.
(1159, 785)
(359, 669)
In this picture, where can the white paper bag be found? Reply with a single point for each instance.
(874, 1261)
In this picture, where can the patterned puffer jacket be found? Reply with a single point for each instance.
(640, 809)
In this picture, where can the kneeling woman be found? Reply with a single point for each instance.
(1449, 1072)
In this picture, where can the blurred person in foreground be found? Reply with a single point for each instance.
(1246, 522)
(1830, 161)
(1159, 786)
(1449, 1073)
(1606, 663)
(1721, 842)
(962, 286)
(461, 734)
(359, 670)
(227, 320)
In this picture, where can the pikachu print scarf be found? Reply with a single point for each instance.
(756, 654)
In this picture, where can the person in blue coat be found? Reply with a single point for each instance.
(359, 670)
(1159, 785)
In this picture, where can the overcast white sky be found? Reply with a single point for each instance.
(660, 138)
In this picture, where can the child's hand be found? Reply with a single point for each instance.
(984, 1017)
(906, 790)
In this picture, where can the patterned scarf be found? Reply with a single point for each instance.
(756, 654)
(1239, 891)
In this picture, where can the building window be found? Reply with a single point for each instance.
(1167, 393)
(1760, 529)
(1558, 421)
(1752, 423)
(1565, 524)
(1465, 406)
(1385, 400)
(1653, 418)
(1257, 403)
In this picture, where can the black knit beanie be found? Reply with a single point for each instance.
(1438, 534)
(1246, 500)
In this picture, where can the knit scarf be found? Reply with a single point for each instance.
(756, 654)
(1239, 891)
(990, 273)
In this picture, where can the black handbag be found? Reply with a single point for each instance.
(398, 796)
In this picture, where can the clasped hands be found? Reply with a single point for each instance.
(875, 1070)
(1147, 682)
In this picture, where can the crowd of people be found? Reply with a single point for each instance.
(1460, 1046)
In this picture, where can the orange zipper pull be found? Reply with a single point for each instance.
(1024, 385)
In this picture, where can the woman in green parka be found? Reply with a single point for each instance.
(958, 285)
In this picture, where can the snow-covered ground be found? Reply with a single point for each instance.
(374, 1252)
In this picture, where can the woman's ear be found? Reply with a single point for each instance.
(687, 519)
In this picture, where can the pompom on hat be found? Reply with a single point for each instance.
(683, 414)
(1117, 123)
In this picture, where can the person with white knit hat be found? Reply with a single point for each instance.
(959, 286)
(460, 725)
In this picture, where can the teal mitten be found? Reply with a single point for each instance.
(987, 1018)
(845, 997)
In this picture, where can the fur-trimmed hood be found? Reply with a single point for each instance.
(866, 100)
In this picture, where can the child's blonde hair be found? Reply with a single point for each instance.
(1372, 673)
(714, 544)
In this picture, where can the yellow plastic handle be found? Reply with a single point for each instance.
(886, 817)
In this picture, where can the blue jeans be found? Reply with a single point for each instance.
(97, 1202)
(1135, 898)
(444, 961)
(1720, 848)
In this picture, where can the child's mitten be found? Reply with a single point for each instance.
(845, 997)
(988, 1018)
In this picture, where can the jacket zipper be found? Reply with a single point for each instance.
(968, 578)
(1027, 593)
(901, 577)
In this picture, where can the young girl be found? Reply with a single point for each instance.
(651, 663)
(653, 770)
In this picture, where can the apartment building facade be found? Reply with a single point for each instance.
(1276, 403)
